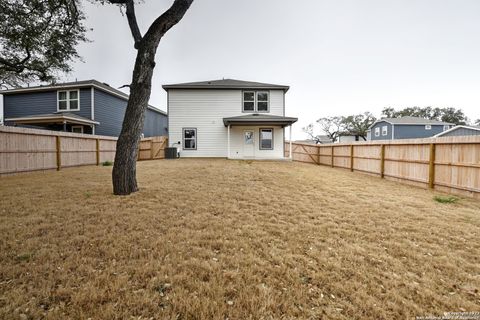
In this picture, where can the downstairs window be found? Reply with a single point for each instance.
(266, 139)
(189, 139)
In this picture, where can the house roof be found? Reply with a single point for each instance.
(225, 84)
(53, 117)
(259, 119)
(475, 128)
(408, 120)
(77, 84)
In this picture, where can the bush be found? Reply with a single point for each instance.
(445, 199)
(107, 163)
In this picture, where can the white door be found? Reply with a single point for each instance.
(248, 143)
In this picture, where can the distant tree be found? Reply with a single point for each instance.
(309, 130)
(477, 122)
(448, 114)
(38, 39)
(358, 125)
(332, 126)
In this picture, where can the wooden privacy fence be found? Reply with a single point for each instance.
(24, 149)
(450, 164)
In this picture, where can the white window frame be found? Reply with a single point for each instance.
(428, 127)
(384, 130)
(377, 132)
(260, 138)
(68, 100)
(183, 138)
(81, 127)
(255, 101)
(446, 127)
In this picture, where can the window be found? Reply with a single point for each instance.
(428, 127)
(446, 127)
(266, 139)
(384, 130)
(77, 129)
(377, 132)
(68, 100)
(189, 139)
(255, 101)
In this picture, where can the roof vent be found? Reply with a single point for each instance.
(209, 82)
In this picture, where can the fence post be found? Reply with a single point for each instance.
(59, 153)
(332, 156)
(351, 157)
(382, 161)
(318, 154)
(151, 149)
(98, 151)
(431, 167)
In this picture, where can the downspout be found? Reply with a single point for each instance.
(393, 131)
(92, 107)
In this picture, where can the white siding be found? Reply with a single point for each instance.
(237, 143)
(205, 110)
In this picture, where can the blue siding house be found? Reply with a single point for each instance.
(88, 107)
(461, 131)
(406, 128)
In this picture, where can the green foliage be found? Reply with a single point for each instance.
(445, 199)
(107, 163)
(477, 122)
(448, 114)
(358, 125)
(38, 39)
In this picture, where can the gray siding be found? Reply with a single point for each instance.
(380, 125)
(110, 110)
(462, 132)
(34, 103)
(155, 124)
(403, 131)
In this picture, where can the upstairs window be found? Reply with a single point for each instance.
(428, 127)
(266, 139)
(384, 130)
(446, 127)
(377, 132)
(189, 139)
(255, 101)
(68, 100)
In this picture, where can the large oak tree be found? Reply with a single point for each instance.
(38, 39)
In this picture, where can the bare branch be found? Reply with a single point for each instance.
(132, 19)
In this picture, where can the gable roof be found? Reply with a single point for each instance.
(225, 84)
(408, 120)
(475, 128)
(57, 116)
(77, 84)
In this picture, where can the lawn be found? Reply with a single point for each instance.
(217, 239)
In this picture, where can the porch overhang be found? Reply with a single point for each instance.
(257, 119)
(55, 118)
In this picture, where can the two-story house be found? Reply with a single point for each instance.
(228, 118)
(406, 128)
(88, 107)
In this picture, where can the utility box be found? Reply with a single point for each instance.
(171, 153)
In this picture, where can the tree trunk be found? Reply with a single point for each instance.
(124, 168)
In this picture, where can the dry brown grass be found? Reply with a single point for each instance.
(217, 239)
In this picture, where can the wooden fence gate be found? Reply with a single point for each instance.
(152, 148)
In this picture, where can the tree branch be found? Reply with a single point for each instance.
(167, 20)
(132, 19)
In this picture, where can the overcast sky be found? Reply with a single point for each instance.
(339, 57)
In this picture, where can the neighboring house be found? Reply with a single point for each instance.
(461, 130)
(228, 118)
(406, 128)
(343, 138)
(83, 106)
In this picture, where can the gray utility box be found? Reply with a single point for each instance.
(171, 153)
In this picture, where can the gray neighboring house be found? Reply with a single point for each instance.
(90, 107)
(460, 131)
(407, 128)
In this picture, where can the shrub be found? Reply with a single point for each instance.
(107, 163)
